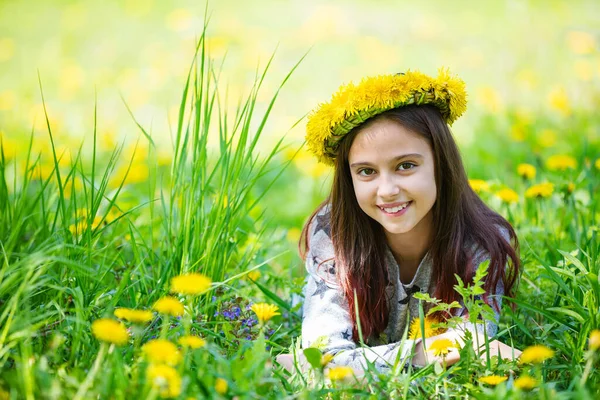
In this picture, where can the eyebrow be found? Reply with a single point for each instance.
(397, 158)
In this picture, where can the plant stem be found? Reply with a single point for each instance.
(92, 374)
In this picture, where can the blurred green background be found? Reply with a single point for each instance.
(530, 54)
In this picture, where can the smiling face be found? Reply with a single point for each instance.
(392, 171)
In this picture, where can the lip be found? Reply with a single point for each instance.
(392, 205)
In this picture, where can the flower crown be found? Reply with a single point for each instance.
(353, 104)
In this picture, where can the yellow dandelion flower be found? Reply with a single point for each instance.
(169, 305)
(540, 190)
(190, 284)
(595, 339)
(508, 195)
(597, 163)
(165, 378)
(536, 354)
(441, 347)
(479, 185)
(264, 311)
(526, 171)
(570, 187)
(414, 331)
(525, 382)
(254, 275)
(193, 342)
(326, 359)
(561, 162)
(161, 351)
(110, 331)
(339, 373)
(492, 380)
(135, 316)
(221, 386)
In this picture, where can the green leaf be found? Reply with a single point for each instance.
(313, 356)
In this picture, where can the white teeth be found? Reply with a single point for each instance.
(395, 209)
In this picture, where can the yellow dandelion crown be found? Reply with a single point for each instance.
(353, 104)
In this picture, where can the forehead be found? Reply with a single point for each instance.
(385, 139)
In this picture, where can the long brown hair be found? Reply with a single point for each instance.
(460, 217)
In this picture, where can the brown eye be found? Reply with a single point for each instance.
(366, 172)
(406, 166)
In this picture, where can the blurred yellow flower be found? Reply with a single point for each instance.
(540, 190)
(161, 351)
(110, 331)
(254, 275)
(339, 373)
(547, 138)
(595, 339)
(581, 42)
(490, 98)
(193, 342)
(441, 347)
(584, 70)
(414, 331)
(570, 187)
(508, 195)
(492, 380)
(166, 379)
(526, 171)
(561, 162)
(559, 101)
(131, 315)
(190, 284)
(169, 305)
(221, 386)
(479, 185)
(597, 163)
(536, 354)
(525, 382)
(7, 49)
(326, 359)
(264, 311)
(293, 235)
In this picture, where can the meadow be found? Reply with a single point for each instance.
(139, 269)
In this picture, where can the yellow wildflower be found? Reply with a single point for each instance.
(326, 359)
(540, 190)
(536, 354)
(169, 305)
(254, 275)
(561, 162)
(190, 284)
(339, 373)
(479, 185)
(264, 311)
(414, 331)
(110, 331)
(525, 382)
(161, 351)
(526, 171)
(221, 386)
(597, 163)
(570, 187)
(595, 339)
(135, 316)
(508, 195)
(492, 380)
(193, 342)
(441, 347)
(166, 379)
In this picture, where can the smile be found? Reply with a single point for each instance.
(397, 210)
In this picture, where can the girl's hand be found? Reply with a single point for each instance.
(423, 358)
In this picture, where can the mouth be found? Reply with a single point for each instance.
(394, 208)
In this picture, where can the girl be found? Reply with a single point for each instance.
(401, 218)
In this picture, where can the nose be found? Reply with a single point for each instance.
(389, 187)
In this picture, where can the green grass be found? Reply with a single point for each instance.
(83, 239)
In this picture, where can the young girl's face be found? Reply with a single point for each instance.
(392, 171)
